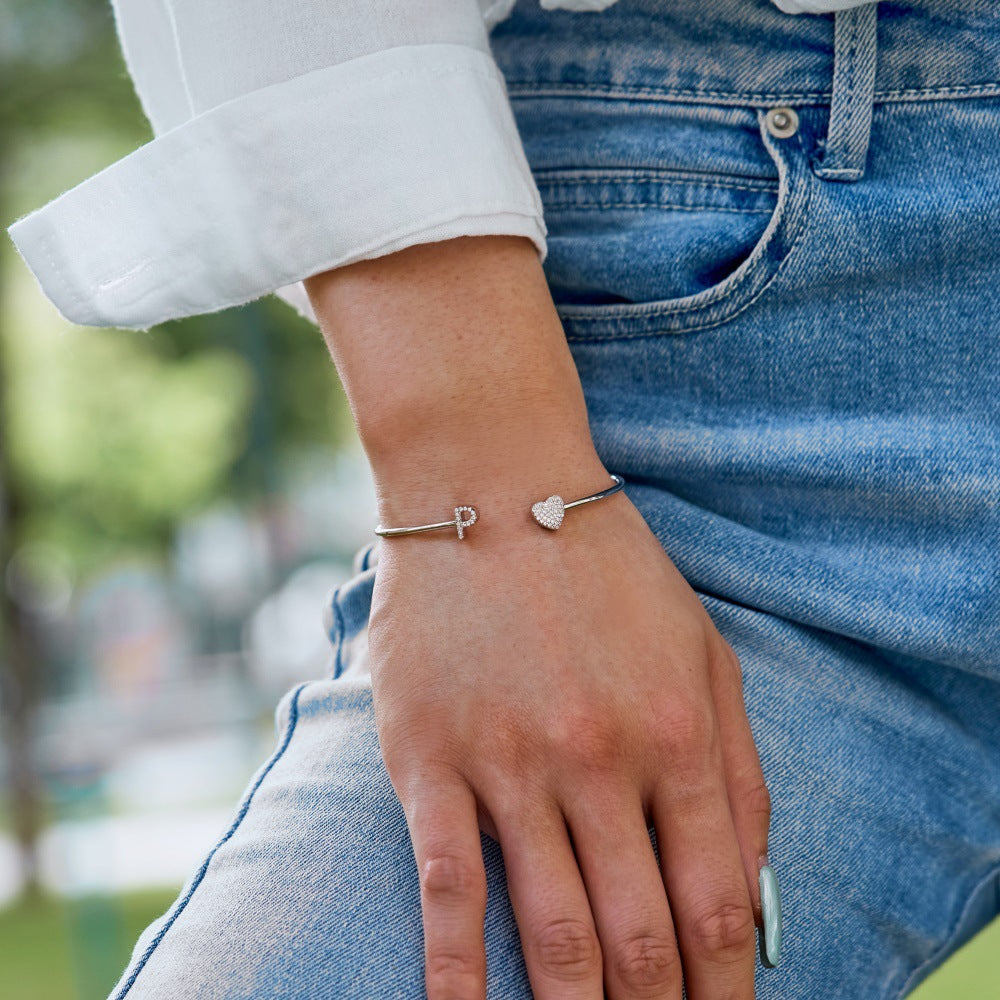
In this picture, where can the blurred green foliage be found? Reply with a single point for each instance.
(53, 949)
(114, 459)
(111, 440)
(112, 437)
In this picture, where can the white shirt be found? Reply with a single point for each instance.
(291, 138)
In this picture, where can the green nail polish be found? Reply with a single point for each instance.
(770, 905)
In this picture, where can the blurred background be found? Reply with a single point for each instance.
(175, 508)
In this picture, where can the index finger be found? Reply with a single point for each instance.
(444, 828)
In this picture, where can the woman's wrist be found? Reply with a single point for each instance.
(499, 457)
(459, 377)
(501, 485)
(508, 440)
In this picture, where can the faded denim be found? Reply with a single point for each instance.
(789, 349)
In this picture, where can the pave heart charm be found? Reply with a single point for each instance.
(549, 513)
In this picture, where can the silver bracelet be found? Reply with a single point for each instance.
(548, 513)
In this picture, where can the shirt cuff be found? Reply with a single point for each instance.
(407, 145)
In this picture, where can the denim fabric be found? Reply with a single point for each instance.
(797, 371)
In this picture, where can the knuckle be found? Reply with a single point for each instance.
(726, 658)
(757, 800)
(725, 931)
(648, 960)
(585, 741)
(412, 738)
(512, 767)
(452, 968)
(687, 733)
(568, 949)
(511, 738)
(451, 878)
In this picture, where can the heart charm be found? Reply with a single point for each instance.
(549, 513)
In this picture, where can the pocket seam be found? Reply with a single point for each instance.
(598, 207)
(721, 303)
(547, 177)
(710, 296)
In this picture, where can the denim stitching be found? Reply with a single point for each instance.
(939, 93)
(525, 90)
(942, 949)
(794, 173)
(838, 143)
(293, 716)
(845, 148)
(545, 178)
(598, 206)
(852, 75)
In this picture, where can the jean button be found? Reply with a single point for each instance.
(781, 122)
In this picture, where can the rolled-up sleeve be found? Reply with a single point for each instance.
(289, 138)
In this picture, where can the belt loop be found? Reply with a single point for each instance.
(854, 56)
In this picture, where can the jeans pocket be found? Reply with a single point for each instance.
(666, 222)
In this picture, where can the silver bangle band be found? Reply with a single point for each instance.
(548, 513)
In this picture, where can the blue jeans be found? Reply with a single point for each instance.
(786, 327)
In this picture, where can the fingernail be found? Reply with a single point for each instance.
(769, 936)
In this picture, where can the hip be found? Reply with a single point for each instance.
(794, 365)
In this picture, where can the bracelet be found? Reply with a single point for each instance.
(548, 513)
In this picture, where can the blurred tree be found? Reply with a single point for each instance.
(46, 49)
(109, 438)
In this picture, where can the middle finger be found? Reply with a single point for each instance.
(561, 950)
(626, 892)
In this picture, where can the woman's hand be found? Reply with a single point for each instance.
(559, 690)
(562, 690)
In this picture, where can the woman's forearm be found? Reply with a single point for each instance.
(459, 377)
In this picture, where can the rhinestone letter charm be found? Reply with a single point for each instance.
(463, 524)
(549, 513)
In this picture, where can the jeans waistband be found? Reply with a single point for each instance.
(748, 52)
